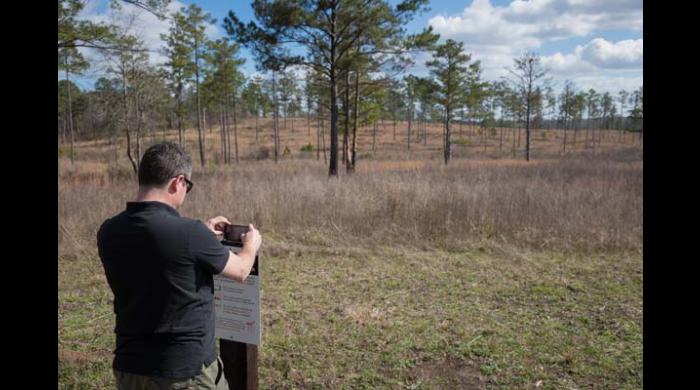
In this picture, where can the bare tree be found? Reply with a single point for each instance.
(525, 74)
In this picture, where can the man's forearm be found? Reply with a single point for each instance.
(247, 256)
(239, 264)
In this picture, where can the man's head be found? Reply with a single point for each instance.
(164, 172)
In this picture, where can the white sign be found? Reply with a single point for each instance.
(237, 308)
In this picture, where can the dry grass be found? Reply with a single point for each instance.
(488, 273)
(578, 202)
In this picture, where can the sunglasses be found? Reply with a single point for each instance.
(188, 183)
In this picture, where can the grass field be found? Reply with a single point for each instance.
(488, 274)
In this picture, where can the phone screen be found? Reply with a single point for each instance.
(233, 232)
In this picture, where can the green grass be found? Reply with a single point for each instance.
(307, 148)
(386, 317)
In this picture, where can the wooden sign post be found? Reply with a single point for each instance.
(240, 359)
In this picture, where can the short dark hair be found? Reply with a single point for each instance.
(163, 161)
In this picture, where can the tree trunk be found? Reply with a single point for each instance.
(275, 132)
(235, 128)
(374, 136)
(126, 125)
(565, 126)
(115, 143)
(204, 119)
(588, 131)
(469, 130)
(318, 134)
(408, 130)
(346, 110)
(621, 123)
(500, 142)
(138, 140)
(344, 156)
(92, 118)
(63, 129)
(151, 129)
(256, 125)
(350, 168)
(419, 131)
(323, 139)
(223, 133)
(227, 104)
(180, 129)
(448, 136)
(527, 124)
(448, 140)
(444, 136)
(286, 113)
(425, 133)
(139, 124)
(461, 120)
(308, 119)
(70, 113)
(199, 103)
(333, 167)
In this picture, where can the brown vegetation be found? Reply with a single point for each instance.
(583, 200)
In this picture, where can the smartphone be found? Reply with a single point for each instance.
(233, 232)
(232, 237)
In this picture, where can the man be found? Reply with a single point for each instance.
(160, 267)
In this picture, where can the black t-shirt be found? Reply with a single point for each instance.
(160, 267)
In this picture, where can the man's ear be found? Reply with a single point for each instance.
(172, 185)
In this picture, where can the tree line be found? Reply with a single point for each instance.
(351, 76)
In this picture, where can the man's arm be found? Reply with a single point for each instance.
(239, 265)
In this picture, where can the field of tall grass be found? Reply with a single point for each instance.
(579, 202)
(486, 273)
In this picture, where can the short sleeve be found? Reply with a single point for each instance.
(206, 249)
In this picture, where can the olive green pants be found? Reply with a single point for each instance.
(210, 378)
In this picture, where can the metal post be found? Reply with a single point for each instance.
(241, 359)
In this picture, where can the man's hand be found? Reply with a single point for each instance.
(217, 225)
(252, 239)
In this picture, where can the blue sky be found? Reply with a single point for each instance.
(595, 43)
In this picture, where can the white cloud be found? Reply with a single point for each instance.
(494, 60)
(482, 23)
(611, 84)
(622, 54)
(602, 65)
(566, 64)
(596, 56)
(140, 23)
(527, 24)
(599, 64)
(495, 34)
